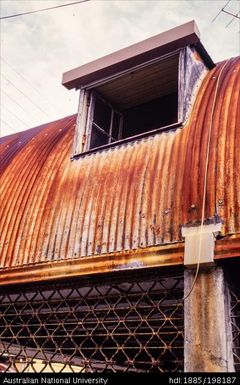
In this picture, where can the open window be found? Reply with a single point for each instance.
(139, 90)
(106, 123)
(137, 102)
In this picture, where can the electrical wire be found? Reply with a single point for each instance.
(7, 124)
(15, 116)
(234, 17)
(31, 85)
(205, 181)
(42, 9)
(27, 97)
(221, 10)
(232, 14)
(19, 105)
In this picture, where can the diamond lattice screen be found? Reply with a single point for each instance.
(234, 286)
(132, 322)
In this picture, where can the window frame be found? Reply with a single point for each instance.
(93, 96)
(88, 95)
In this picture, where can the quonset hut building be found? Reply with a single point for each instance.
(119, 226)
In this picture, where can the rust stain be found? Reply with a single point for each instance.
(132, 196)
(149, 257)
(228, 247)
(166, 255)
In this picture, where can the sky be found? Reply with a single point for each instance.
(37, 48)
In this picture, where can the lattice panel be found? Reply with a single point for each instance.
(233, 278)
(128, 323)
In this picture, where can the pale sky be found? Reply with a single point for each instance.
(36, 49)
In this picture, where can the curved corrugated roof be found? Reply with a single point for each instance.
(128, 197)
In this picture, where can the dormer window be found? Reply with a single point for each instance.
(138, 91)
(142, 100)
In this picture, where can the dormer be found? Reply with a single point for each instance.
(138, 91)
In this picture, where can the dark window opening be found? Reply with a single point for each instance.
(150, 116)
(140, 101)
(98, 138)
(105, 124)
(155, 96)
(109, 125)
(102, 114)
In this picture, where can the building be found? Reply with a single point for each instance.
(120, 226)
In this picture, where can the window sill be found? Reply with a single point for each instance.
(127, 140)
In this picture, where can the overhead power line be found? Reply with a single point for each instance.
(7, 124)
(26, 96)
(15, 116)
(19, 105)
(237, 16)
(223, 10)
(231, 14)
(31, 85)
(43, 9)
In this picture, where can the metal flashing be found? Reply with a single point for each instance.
(136, 54)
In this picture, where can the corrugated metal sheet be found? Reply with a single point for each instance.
(128, 197)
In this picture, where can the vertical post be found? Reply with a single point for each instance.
(81, 123)
(207, 346)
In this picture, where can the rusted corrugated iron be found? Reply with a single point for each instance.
(164, 255)
(171, 254)
(128, 197)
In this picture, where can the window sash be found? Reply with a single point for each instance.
(92, 123)
(190, 71)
